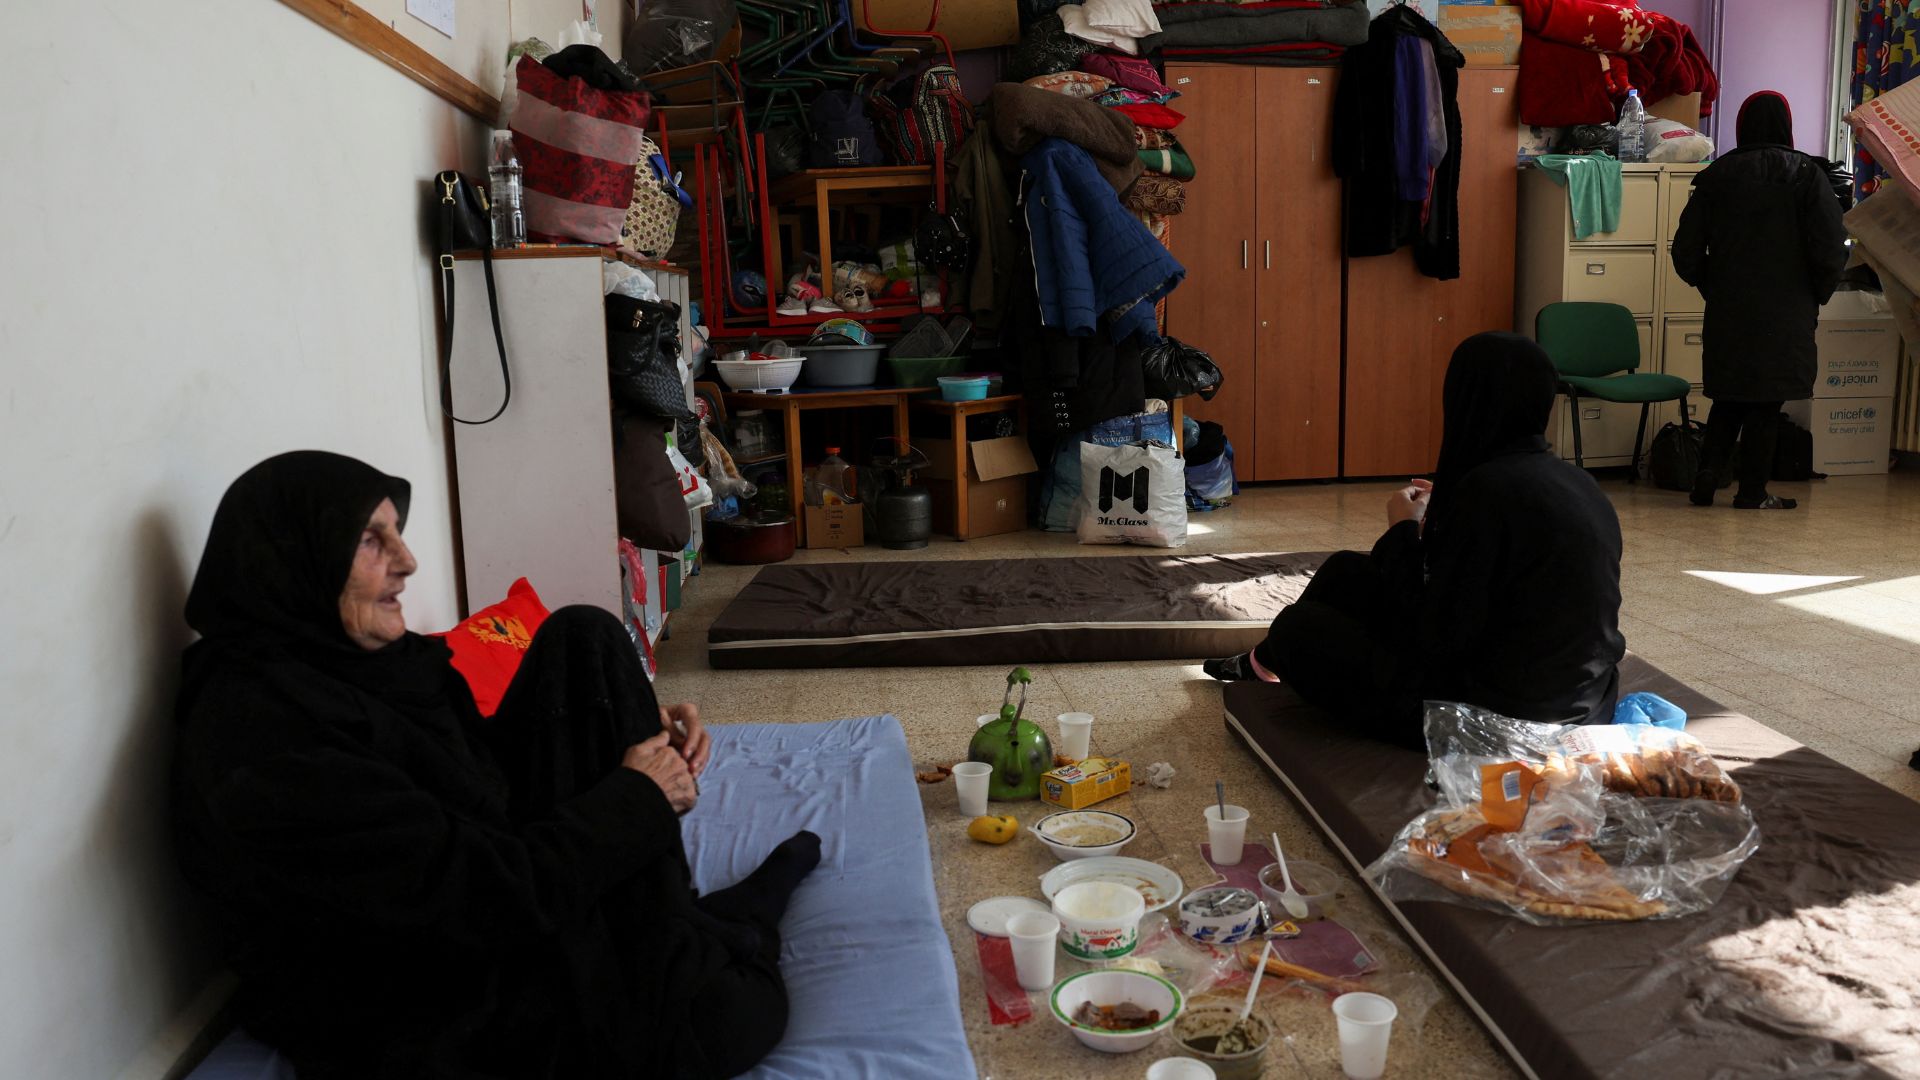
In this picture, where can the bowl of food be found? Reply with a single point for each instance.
(1220, 915)
(1314, 883)
(1235, 1048)
(1116, 1012)
(1084, 834)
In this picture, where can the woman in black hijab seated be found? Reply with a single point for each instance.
(1497, 584)
(410, 890)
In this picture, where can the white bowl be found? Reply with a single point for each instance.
(1046, 830)
(1220, 930)
(1112, 988)
(760, 374)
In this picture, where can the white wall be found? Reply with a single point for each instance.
(214, 250)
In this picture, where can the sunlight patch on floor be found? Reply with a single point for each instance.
(1867, 607)
(1768, 584)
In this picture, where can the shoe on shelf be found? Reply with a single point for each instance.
(854, 298)
(792, 305)
(1771, 502)
(1230, 668)
(824, 306)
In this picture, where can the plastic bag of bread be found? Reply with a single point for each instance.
(1629, 759)
(1544, 838)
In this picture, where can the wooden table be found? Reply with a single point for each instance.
(957, 413)
(816, 187)
(794, 402)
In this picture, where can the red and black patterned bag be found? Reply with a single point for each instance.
(920, 112)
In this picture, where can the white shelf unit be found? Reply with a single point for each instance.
(536, 486)
(1631, 266)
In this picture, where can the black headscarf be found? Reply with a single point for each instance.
(277, 558)
(1496, 400)
(1765, 120)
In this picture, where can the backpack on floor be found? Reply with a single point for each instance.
(842, 135)
(918, 113)
(1674, 458)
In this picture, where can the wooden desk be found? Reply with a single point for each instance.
(791, 404)
(957, 413)
(817, 186)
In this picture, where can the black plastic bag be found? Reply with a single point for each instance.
(643, 357)
(1175, 369)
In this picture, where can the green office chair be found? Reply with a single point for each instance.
(1590, 344)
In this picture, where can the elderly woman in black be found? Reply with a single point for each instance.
(1497, 584)
(411, 890)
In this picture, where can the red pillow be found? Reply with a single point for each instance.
(488, 645)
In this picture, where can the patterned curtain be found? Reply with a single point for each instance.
(1885, 55)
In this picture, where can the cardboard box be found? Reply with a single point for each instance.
(1071, 788)
(966, 24)
(1859, 348)
(1851, 436)
(841, 526)
(997, 472)
(1488, 35)
(1679, 108)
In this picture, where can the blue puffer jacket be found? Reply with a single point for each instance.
(1090, 256)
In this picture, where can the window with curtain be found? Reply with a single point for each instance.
(1885, 55)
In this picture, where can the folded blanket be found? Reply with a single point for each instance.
(1130, 72)
(1561, 85)
(1673, 63)
(1079, 21)
(1156, 194)
(1334, 26)
(1153, 116)
(1589, 24)
(1162, 153)
(1023, 116)
(1889, 127)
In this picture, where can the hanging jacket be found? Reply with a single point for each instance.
(1367, 154)
(983, 191)
(1091, 258)
(1763, 242)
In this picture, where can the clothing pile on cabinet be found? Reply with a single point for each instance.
(1281, 33)
(1578, 59)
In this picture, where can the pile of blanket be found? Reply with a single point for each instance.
(1578, 59)
(1272, 32)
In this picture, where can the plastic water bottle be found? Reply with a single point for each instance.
(833, 482)
(503, 183)
(1633, 129)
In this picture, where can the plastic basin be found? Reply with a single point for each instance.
(842, 365)
(922, 370)
(963, 387)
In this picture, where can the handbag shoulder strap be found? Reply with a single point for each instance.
(449, 207)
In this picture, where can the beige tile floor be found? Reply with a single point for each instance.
(1807, 620)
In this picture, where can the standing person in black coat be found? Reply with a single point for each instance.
(1762, 241)
(410, 890)
(1497, 585)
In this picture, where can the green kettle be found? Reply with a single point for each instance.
(1017, 749)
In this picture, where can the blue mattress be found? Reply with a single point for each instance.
(867, 963)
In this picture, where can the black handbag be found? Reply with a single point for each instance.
(464, 224)
(643, 353)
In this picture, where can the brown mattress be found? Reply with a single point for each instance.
(1006, 611)
(1809, 966)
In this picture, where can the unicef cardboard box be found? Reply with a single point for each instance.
(1851, 436)
(1859, 348)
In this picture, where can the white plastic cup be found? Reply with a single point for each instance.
(1227, 835)
(1033, 935)
(1099, 920)
(1366, 1023)
(985, 718)
(1076, 734)
(1179, 1069)
(970, 783)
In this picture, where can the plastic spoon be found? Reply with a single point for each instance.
(1259, 972)
(1295, 904)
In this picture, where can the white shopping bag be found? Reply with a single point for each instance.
(1132, 494)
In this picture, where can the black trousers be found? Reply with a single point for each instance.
(1757, 427)
(578, 700)
(1337, 649)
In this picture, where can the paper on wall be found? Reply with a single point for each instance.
(435, 13)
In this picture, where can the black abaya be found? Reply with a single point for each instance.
(1508, 597)
(408, 890)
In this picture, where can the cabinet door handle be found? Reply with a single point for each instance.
(1696, 339)
(1243, 254)
(1597, 269)
(1590, 414)
(1267, 253)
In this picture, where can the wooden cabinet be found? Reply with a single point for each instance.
(1260, 239)
(1403, 326)
(1333, 365)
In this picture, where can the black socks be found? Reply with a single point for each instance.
(761, 898)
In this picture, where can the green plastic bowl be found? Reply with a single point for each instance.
(923, 370)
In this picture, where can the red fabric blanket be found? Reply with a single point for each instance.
(1619, 27)
(1153, 116)
(1673, 63)
(1561, 85)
